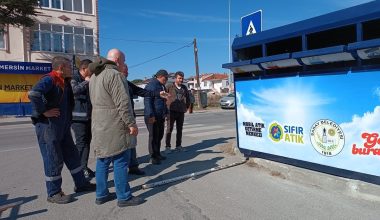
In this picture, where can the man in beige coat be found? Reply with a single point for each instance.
(113, 127)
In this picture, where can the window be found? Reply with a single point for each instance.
(45, 41)
(56, 4)
(36, 41)
(82, 6)
(78, 5)
(68, 5)
(89, 45)
(69, 43)
(2, 39)
(63, 39)
(79, 44)
(57, 43)
(87, 6)
(44, 3)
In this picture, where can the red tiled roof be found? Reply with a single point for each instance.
(216, 76)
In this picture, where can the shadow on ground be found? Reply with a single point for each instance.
(14, 206)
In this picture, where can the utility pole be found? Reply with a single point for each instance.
(230, 76)
(197, 73)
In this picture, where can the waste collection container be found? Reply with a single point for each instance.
(308, 93)
(203, 99)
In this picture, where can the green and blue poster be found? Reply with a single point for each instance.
(332, 120)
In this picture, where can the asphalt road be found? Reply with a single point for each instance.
(240, 192)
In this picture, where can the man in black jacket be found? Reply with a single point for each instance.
(155, 112)
(138, 91)
(178, 104)
(81, 122)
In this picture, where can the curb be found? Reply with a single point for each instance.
(5, 123)
(326, 182)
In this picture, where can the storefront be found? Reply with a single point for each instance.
(16, 79)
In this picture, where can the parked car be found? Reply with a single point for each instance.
(228, 101)
(139, 105)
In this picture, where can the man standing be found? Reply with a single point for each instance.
(52, 101)
(113, 125)
(178, 103)
(155, 113)
(81, 123)
(135, 90)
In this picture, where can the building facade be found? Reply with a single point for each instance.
(212, 82)
(63, 27)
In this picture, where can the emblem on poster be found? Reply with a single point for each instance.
(327, 137)
(286, 133)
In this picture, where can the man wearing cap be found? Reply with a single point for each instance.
(155, 113)
(138, 91)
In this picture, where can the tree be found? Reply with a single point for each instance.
(17, 12)
(137, 81)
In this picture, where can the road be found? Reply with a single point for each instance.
(241, 192)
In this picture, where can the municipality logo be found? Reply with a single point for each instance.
(327, 137)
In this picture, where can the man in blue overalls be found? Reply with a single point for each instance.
(52, 102)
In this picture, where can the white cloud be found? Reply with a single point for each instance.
(369, 122)
(353, 130)
(246, 114)
(291, 102)
(377, 92)
(186, 17)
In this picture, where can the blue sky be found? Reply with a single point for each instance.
(171, 24)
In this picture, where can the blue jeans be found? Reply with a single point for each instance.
(120, 170)
(57, 147)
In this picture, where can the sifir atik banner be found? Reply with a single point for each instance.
(333, 120)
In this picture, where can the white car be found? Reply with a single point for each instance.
(139, 105)
(228, 101)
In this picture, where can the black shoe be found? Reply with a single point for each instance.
(136, 171)
(88, 173)
(87, 187)
(60, 198)
(108, 198)
(160, 157)
(131, 202)
(155, 161)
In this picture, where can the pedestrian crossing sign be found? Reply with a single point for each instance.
(252, 23)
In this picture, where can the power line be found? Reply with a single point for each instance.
(187, 45)
(141, 41)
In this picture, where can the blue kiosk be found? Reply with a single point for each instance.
(308, 93)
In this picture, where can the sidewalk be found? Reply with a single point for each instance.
(13, 120)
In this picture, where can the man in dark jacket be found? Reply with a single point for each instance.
(154, 114)
(52, 102)
(178, 103)
(138, 91)
(81, 123)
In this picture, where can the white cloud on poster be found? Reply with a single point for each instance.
(377, 92)
(246, 114)
(291, 102)
(368, 122)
